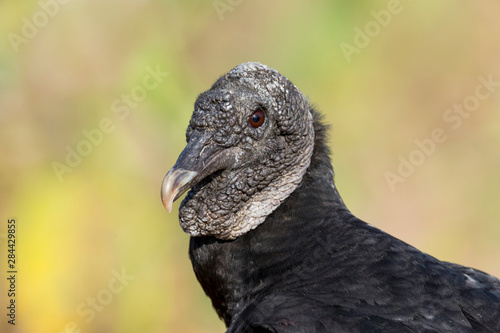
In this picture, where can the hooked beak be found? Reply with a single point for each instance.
(198, 160)
(172, 184)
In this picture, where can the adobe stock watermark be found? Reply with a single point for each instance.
(453, 117)
(93, 305)
(121, 107)
(223, 6)
(373, 28)
(31, 26)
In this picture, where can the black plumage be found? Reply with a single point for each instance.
(308, 264)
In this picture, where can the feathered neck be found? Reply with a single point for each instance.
(233, 272)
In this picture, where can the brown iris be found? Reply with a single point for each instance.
(256, 119)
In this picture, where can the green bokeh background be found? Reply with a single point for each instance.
(106, 214)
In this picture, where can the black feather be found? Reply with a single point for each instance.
(312, 266)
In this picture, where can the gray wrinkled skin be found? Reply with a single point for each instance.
(272, 158)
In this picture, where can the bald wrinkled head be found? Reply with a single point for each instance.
(250, 141)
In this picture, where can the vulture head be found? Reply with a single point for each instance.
(249, 143)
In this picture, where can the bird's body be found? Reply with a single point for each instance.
(312, 266)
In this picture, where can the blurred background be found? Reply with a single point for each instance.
(95, 97)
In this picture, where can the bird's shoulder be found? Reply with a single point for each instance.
(295, 313)
(396, 288)
(478, 297)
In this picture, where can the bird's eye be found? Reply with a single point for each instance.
(256, 119)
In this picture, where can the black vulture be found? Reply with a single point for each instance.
(273, 244)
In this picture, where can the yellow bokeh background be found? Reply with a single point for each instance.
(63, 75)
